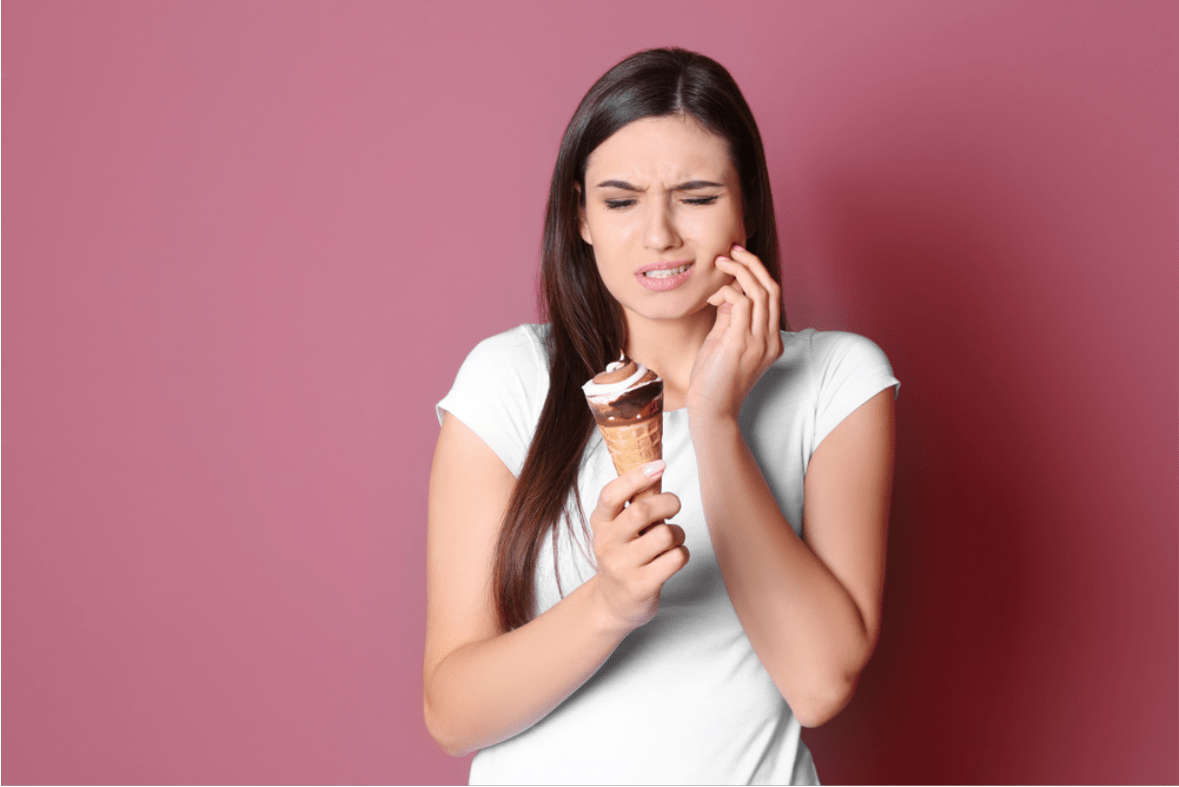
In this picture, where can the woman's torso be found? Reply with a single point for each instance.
(684, 699)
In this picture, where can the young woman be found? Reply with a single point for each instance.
(573, 638)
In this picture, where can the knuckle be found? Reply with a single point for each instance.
(642, 509)
(665, 506)
(661, 537)
(608, 498)
(600, 525)
(671, 538)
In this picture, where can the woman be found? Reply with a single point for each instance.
(614, 647)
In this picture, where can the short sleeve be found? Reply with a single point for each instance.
(850, 370)
(499, 391)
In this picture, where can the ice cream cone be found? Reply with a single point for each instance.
(635, 444)
(627, 402)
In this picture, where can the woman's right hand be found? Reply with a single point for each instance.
(635, 549)
(482, 685)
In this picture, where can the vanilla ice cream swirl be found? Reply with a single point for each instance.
(626, 392)
(619, 377)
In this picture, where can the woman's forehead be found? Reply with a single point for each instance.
(670, 149)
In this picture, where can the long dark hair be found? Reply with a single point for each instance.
(588, 329)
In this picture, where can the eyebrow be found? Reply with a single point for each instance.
(690, 185)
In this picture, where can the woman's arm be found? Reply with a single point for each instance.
(811, 607)
(481, 685)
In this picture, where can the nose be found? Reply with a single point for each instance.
(660, 233)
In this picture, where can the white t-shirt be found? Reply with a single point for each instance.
(684, 698)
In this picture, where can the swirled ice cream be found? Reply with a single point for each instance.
(627, 402)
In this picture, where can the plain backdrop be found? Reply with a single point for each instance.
(246, 246)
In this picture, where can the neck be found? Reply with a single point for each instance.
(669, 347)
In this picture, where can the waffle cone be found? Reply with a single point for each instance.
(632, 445)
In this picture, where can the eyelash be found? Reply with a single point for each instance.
(618, 204)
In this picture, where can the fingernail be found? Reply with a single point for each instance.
(723, 258)
(738, 247)
(652, 469)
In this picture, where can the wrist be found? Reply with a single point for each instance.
(601, 617)
(706, 426)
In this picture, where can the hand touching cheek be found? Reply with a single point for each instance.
(744, 341)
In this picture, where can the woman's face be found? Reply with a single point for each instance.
(662, 200)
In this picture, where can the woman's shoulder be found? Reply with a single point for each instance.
(821, 349)
(837, 370)
(520, 348)
(500, 388)
(817, 365)
(514, 361)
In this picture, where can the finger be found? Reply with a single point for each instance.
(754, 290)
(646, 515)
(773, 289)
(661, 568)
(739, 311)
(756, 266)
(656, 541)
(613, 497)
(729, 293)
(724, 313)
(718, 297)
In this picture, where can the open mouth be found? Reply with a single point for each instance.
(667, 274)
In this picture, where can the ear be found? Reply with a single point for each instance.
(582, 226)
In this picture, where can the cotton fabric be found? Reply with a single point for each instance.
(684, 698)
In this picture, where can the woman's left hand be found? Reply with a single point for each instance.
(743, 343)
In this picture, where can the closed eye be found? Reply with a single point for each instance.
(618, 204)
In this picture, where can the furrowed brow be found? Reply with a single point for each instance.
(693, 185)
(618, 184)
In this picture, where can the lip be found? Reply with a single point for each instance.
(669, 283)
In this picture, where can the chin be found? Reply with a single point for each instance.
(670, 311)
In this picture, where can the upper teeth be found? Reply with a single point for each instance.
(664, 274)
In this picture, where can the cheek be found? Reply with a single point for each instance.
(720, 225)
(609, 250)
(736, 228)
(609, 270)
(718, 237)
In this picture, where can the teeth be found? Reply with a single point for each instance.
(667, 274)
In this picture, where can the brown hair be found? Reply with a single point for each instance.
(588, 329)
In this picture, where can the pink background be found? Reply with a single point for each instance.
(247, 245)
